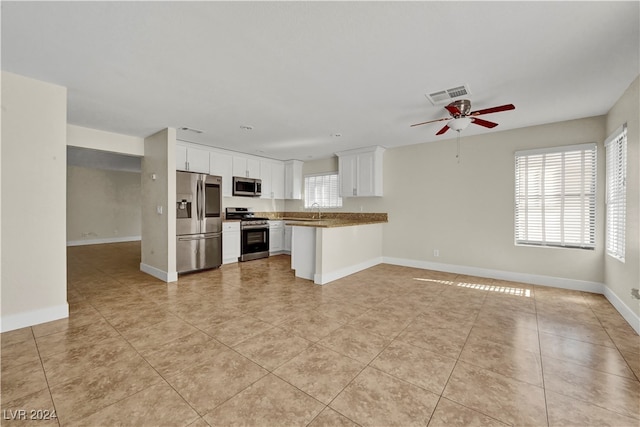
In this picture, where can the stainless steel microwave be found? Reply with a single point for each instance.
(248, 187)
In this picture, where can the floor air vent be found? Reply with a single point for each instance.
(445, 96)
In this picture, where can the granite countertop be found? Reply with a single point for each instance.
(328, 219)
(328, 223)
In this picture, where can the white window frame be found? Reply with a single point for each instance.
(555, 196)
(332, 197)
(616, 192)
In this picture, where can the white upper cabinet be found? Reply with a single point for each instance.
(192, 159)
(181, 157)
(272, 175)
(246, 167)
(221, 164)
(293, 179)
(265, 176)
(227, 164)
(360, 172)
(198, 160)
(277, 180)
(348, 174)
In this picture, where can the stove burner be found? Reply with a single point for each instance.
(246, 217)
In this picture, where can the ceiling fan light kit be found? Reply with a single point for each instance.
(459, 123)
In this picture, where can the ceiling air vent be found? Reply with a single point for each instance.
(445, 96)
(186, 129)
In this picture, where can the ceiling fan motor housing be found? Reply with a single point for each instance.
(463, 105)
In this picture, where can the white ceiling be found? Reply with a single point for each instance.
(300, 71)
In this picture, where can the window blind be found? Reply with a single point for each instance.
(555, 200)
(323, 190)
(616, 200)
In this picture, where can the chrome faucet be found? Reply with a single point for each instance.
(317, 205)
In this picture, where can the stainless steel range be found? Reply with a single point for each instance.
(254, 233)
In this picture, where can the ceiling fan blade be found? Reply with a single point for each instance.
(443, 130)
(484, 123)
(430, 121)
(453, 110)
(493, 110)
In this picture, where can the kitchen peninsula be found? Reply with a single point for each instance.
(334, 245)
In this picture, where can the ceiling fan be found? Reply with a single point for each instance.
(462, 116)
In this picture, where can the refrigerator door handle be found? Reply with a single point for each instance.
(199, 236)
(201, 210)
(202, 205)
(188, 238)
(212, 235)
(198, 202)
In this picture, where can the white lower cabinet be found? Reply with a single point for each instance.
(287, 238)
(230, 242)
(276, 237)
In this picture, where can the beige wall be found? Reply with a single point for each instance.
(620, 277)
(466, 210)
(102, 205)
(159, 229)
(34, 288)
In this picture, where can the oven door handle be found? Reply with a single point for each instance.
(255, 227)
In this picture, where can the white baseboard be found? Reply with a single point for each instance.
(624, 310)
(534, 279)
(33, 317)
(159, 274)
(323, 279)
(282, 252)
(105, 240)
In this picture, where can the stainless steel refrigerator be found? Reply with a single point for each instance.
(198, 221)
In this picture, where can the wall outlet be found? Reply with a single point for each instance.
(436, 252)
(159, 209)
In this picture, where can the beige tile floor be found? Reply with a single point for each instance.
(249, 344)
